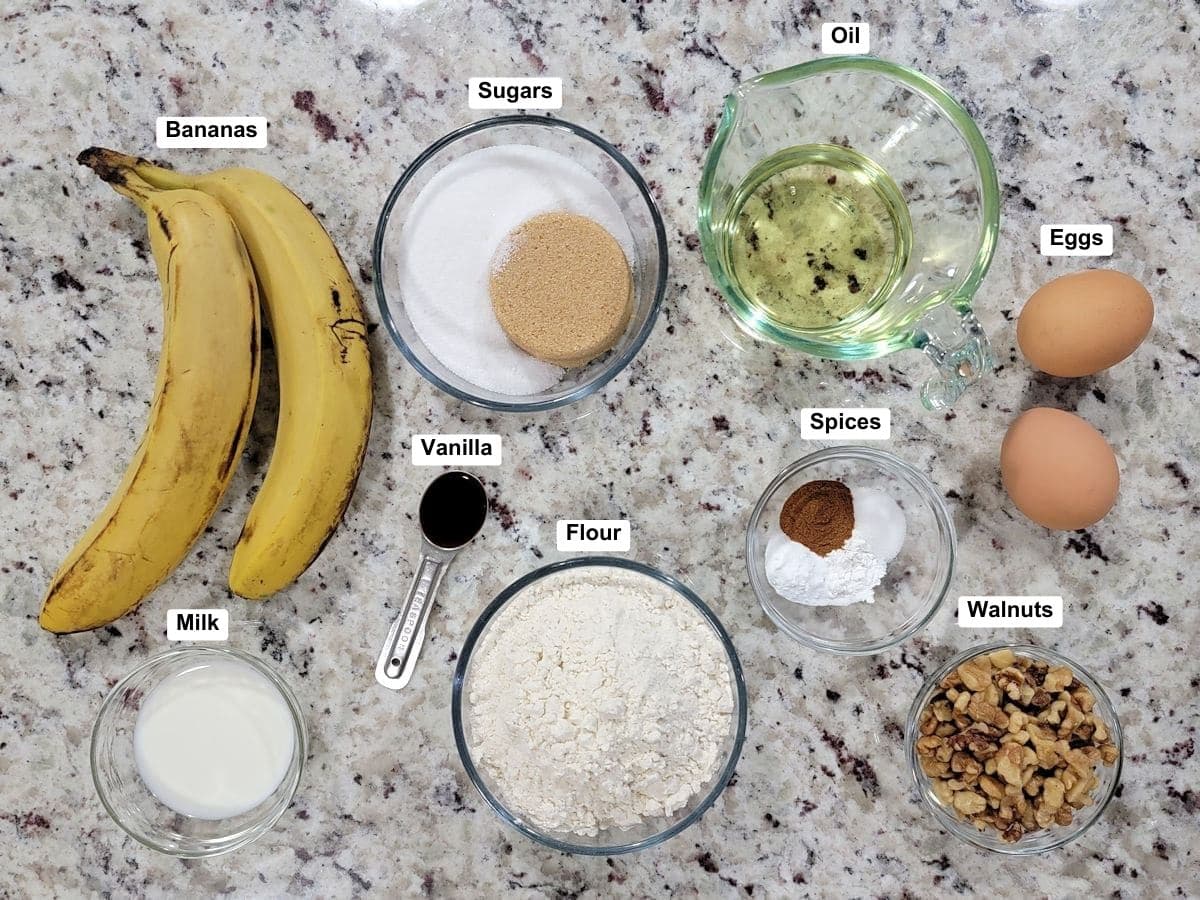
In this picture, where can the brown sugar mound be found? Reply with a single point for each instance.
(819, 515)
(561, 288)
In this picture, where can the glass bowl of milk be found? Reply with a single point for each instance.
(198, 751)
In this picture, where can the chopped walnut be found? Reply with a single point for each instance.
(1053, 793)
(1057, 678)
(976, 674)
(1013, 744)
(969, 803)
(982, 711)
(1008, 763)
(1002, 659)
(991, 787)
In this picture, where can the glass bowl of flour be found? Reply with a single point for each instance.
(440, 234)
(599, 706)
(857, 600)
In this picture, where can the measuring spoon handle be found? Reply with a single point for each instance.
(398, 658)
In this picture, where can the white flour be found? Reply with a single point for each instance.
(599, 698)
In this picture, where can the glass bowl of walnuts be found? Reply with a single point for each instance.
(1014, 748)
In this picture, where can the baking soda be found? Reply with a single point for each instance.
(450, 237)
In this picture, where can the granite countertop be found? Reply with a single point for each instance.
(1091, 111)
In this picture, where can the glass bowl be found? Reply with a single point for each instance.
(1038, 841)
(130, 802)
(650, 832)
(628, 190)
(916, 581)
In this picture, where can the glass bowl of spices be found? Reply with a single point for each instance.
(1014, 748)
(520, 263)
(198, 751)
(598, 706)
(850, 550)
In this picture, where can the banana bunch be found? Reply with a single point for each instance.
(223, 241)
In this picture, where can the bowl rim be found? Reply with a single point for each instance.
(964, 830)
(881, 459)
(615, 365)
(465, 655)
(252, 832)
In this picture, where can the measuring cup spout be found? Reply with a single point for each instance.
(952, 337)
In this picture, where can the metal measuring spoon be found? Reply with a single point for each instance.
(453, 509)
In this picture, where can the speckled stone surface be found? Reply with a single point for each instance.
(1091, 111)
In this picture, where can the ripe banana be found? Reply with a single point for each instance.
(203, 401)
(324, 366)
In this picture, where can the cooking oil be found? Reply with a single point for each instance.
(817, 236)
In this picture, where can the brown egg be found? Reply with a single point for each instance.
(1082, 323)
(1058, 469)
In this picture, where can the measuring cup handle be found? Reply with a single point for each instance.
(398, 658)
(953, 338)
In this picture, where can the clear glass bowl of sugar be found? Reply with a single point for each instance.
(608, 841)
(425, 311)
(916, 579)
(122, 785)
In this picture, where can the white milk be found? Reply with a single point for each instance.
(215, 740)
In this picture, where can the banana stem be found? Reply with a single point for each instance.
(131, 176)
(118, 170)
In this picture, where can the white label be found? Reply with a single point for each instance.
(1077, 240)
(846, 37)
(839, 423)
(456, 449)
(515, 93)
(1010, 612)
(197, 624)
(235, 132)
(593, 534)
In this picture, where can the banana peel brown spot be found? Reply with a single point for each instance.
(346, 331)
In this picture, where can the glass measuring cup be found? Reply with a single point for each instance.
(916, 179)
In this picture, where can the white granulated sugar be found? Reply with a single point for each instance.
(599, 698)
(449, 238)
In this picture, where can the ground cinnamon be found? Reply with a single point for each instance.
(819, 515)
